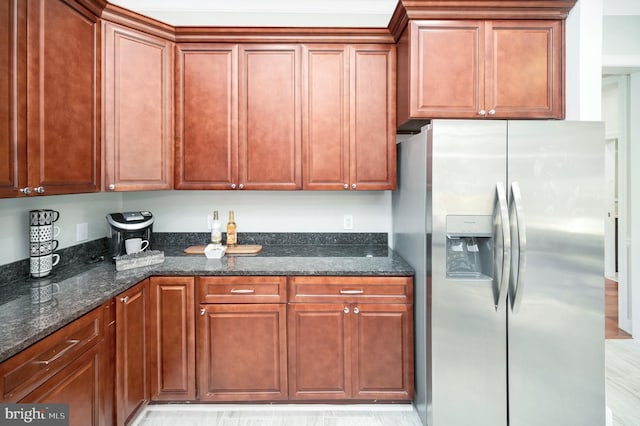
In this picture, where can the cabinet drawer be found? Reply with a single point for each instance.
(242, 289)
(31, 367)
(351, 289)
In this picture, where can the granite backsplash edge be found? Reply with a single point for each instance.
(82, 253)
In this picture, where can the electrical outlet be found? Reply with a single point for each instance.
(348, 221)
(82, 231)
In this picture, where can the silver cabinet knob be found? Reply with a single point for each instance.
(39, 189)
(353, 186)
(202, 312)
(233, 186)
(26, 190)
(112, 187)
(482, 112)
(356, 310)
(346, 186)
(492, 112)
(124, 299)
(346, 310)
(241, 186)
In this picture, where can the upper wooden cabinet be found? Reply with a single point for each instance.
(53, 48)
(348, 116)
(480, 69)
(138, 110)
(206, 155)
(270, 146)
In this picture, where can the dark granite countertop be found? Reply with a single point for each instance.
(83, 287)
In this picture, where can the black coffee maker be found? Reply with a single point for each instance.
(123, 226)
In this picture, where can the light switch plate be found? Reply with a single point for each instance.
(82, 231)
(348, 221)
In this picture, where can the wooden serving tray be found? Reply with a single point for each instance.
(237, 249)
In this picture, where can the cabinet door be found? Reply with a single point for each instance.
(383, 344)
(373, 121)
(13, 97)
(172, 339)
(132, 378)
(242, 352)
(446, 69)
(79, 385)
(325, 117)
(524, 69)
(63, 114)
(138, 110)
(270, 146)
(206, 117)
(319, 351)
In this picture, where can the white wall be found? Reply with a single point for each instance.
(634, 202)
(74, 209)
(186, 211)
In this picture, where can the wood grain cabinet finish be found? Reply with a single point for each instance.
(138, 110)
(241, 342)
(172, 361)
(13, 97)
(206, 155)
(348, 118)
(270, 145)
(71, 366)
(349, 341)
(132, 373)
(481, 69)
(49, 97)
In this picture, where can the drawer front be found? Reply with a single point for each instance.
(31, 367)
(351, 289)
(242, 289)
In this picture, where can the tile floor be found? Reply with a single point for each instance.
(622, 372)
(278, 415)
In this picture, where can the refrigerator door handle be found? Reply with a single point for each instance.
(519, 258)
(502, 246)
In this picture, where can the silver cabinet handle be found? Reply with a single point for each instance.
(202, 312)
(492, 112)
(356, 310)
(39, 189)
(346, 310)
(346, 186)
(25, 190)
(516, 280)
(124, 299)
(353, 186)
(233, 186)
(482, 112)
(112, 187)
(71, 344)
(242, 291)
(361, 291)
(241, 186)
(502, 251)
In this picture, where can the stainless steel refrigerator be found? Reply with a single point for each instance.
(503, 222)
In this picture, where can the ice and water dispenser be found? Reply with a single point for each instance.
(470, 243)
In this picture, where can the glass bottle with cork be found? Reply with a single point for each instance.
(216, 230)
(232, 236)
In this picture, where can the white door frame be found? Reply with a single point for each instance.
(620, 131)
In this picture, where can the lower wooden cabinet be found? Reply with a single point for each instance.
(342, 349)
(132, 374)
(241, 345)
(172, 339)
(71, 366)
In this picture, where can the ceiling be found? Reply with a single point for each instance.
(266, 13)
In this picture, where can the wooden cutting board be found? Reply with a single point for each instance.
(237, 249)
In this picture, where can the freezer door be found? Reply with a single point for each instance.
(468, 340)
(555, 316)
